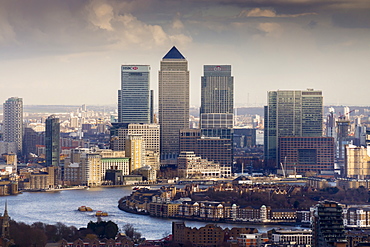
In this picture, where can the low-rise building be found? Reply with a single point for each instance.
(209, 235)
(356, 216)
(189, 165)
(302, 238)
(283, 215)
(254, 239)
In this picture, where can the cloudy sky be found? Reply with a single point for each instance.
(70, 51)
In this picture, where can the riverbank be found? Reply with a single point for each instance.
(122, 206)
(57, 189)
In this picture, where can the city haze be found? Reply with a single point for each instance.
(70, 52)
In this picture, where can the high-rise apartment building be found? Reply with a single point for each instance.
(135, 149)
(357, 162)
(327, 225)
(134, 98)
(150, 136)
(173, 101)
(84, 167)
(291, 113)
(13, 122)
(343, 138)
(52, 141)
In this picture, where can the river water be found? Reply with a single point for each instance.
(61, 206)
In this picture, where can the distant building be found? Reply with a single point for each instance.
(134, 97)
(13, 122)
(150, 133)
(216, 149)
(357, 162)
(91, 169)
(291, 113)
(114, 161)
(254, 239)
(52, 141)
(148, 173)
(343, 138)
(209, 235)
(217, 113)
(189, 165)
(173, 83)
(8, 147)
(114, 176)
(84, 167)
(244, 137)
(135, 149)
(150, 136)
(306, 154)
(301, 238)
(357, 216)
(217, 91)
(31, 139)
(188, 139)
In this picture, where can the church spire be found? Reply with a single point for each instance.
(5, 222)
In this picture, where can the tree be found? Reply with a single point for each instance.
(131, 232)
(103, 229)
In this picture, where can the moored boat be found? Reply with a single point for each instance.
(101, 213)
(84, 209)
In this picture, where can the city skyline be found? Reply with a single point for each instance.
(75, 48)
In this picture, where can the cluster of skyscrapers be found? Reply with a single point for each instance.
(294, 139)
(135, 107)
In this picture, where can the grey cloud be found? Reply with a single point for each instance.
(352, 19)
(38, 27)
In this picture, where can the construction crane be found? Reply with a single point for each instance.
(344, 116)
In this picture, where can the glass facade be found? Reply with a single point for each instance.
(52, 141)
(291, 113)
(217, 89)
(134, 99)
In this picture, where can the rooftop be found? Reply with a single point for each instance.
(173, 54)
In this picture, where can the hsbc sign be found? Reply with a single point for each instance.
(135, 68)
(129, 68)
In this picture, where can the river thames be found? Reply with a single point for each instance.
(61, 206)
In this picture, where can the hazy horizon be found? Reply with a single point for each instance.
(66, 52)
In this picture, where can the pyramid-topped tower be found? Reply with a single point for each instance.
(173, 102)
(174, 53)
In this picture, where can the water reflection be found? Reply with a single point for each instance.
(61, 206)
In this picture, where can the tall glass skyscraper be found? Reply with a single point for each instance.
(216, 116)
(217, 97)
(52, 141)
(173, 93)
(291, 113)
(217, 89)
(13, 122)
(134, 97)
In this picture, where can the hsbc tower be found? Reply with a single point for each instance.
(135, 97)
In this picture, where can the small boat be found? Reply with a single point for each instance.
(101, 213)
(84, 209)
